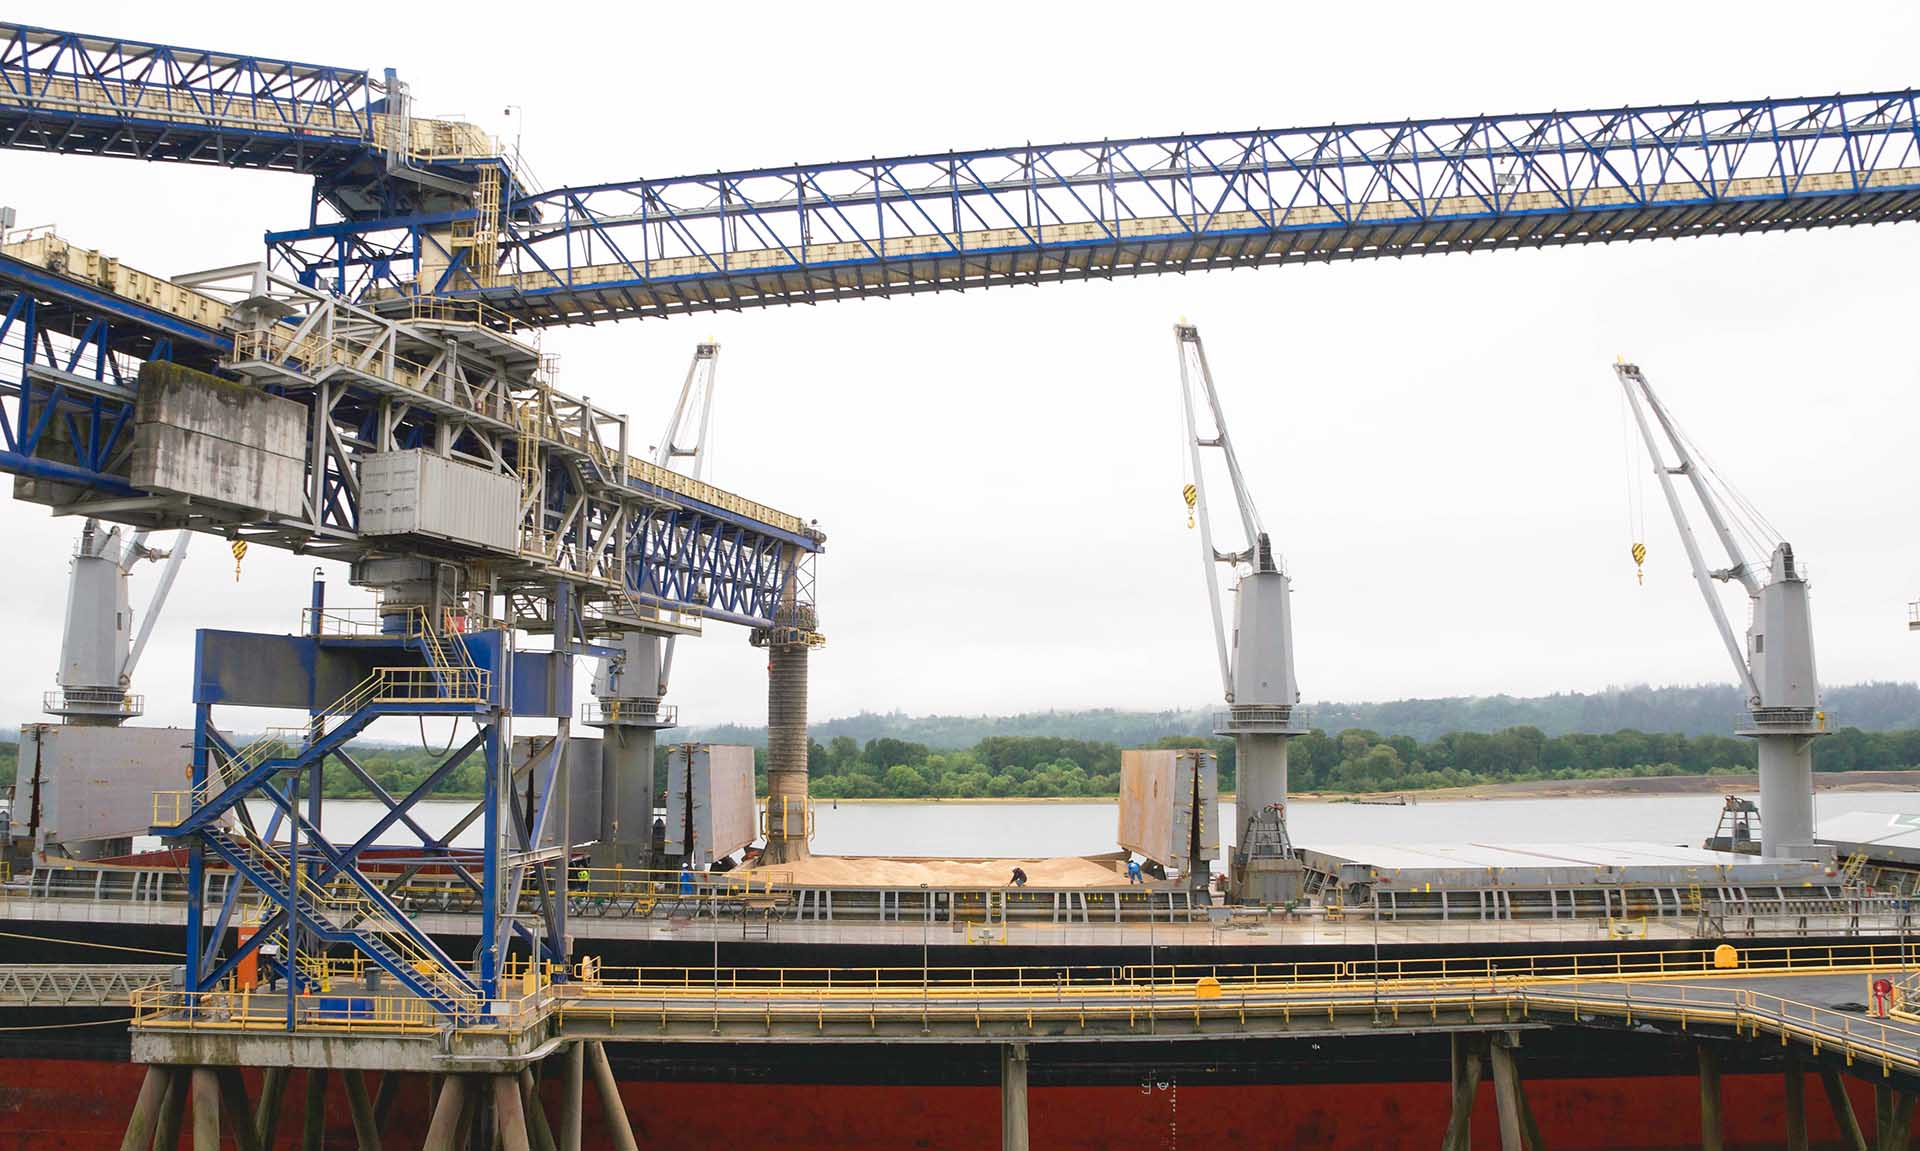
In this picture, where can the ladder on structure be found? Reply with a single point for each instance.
(480, 236)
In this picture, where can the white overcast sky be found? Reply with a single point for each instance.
(1435, 444)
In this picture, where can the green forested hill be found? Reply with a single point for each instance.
(1691, 711)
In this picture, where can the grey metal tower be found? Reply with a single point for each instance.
(1775, 667)
(1256, 666)
(98, 646)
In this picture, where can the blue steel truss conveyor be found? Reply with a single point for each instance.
(406, 207)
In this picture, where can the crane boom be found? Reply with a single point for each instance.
(1634, 383)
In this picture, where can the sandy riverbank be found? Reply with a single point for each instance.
(1532, 789)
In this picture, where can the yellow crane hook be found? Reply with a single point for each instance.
(1191, 494)
(1639, 557)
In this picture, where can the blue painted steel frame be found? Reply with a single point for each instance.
(766, 236)
(104, 95)
(68, 357)
(214, 683)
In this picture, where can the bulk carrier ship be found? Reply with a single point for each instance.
(372, 393)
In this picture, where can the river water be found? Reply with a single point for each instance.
(1050, 829)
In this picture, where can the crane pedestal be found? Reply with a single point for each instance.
(1264, 868)
(1786, 782)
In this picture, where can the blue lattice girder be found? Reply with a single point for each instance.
(71, 354)
(1090, 209)
(102, 95)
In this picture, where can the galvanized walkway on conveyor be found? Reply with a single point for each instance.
(79, 985)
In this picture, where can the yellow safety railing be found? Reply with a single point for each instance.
(1500, 970)
(789, 809)
(624, 881)
(255, 1011)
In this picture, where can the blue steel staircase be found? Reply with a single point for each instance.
(356, 913)
(350, 918)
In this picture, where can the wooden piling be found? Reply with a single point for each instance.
(166, 1133)
(206, 1110)
(390, 1084)
(233, 1103)
(538, 1131)
(366, 1132)
(443, 1130)
(146, 1110)
(1796, 1104)
(509, 1120)
(1467, 1067)
(1712, 1124)
(1506, 1095)
(469, 1110)
(570, 1096)
(609, 1089)
(313, 1132)
(1843, 1113)
(1013, 1097)
(1897, 1134)
(266, 1113)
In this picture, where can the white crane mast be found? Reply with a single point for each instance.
(1256, 659)
(1775, 666)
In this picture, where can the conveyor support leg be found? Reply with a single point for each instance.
(1013, 1097)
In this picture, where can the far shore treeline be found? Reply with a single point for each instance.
(1081, 757)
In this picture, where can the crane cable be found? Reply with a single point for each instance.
(1189, 483)
(1636, 490)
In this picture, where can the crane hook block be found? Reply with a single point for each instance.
(239, 550)
(1639, 557)
(1191, 494)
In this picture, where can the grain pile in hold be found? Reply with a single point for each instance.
(882, 871)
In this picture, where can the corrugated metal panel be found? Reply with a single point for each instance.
(576, 818)
(419, 493)
(98, 782)
(733, 820)
(710, 802)
(1156, 804)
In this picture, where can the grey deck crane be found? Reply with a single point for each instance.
(1256, 665)
(98, 649)
(628, 690)
(1775, 666)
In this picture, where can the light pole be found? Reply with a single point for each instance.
(926, 967)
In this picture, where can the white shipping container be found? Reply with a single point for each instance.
(418, 493)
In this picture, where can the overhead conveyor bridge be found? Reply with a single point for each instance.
(406, 207)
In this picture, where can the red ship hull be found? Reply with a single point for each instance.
(82, 1105)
